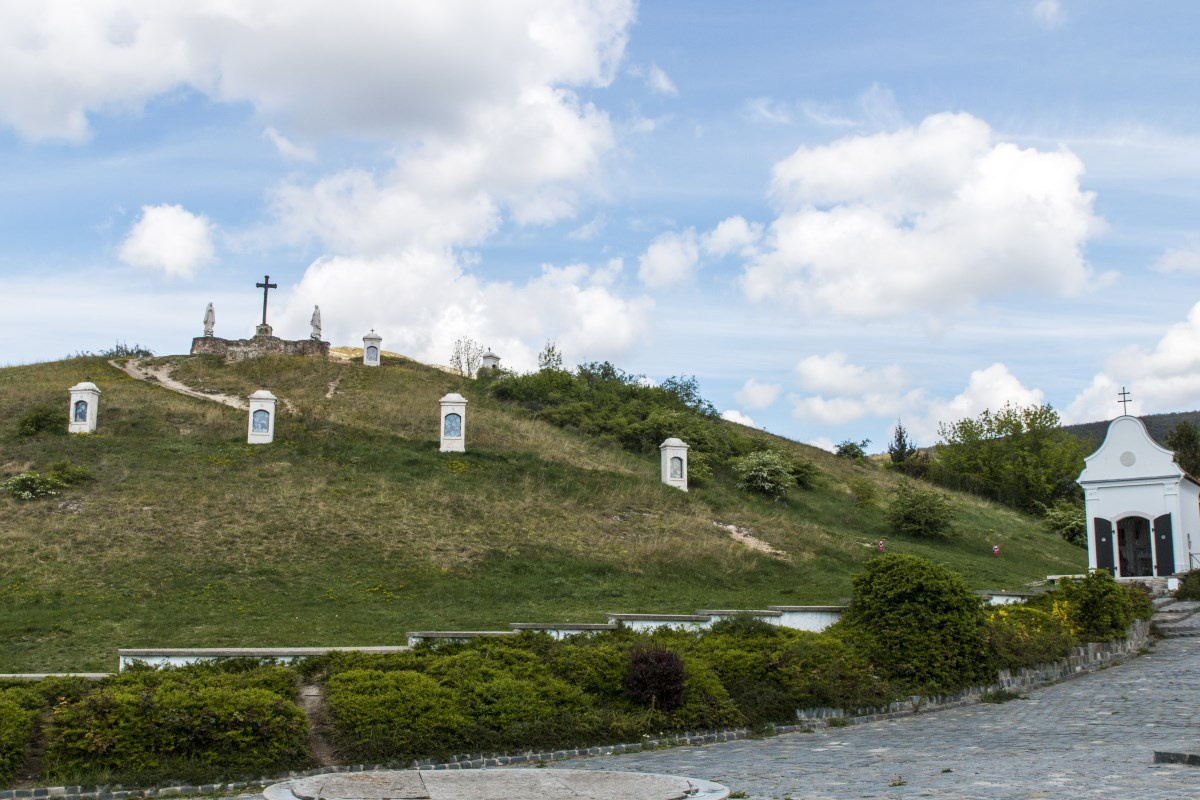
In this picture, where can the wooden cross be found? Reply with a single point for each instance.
(1124, 401)
(266, 286)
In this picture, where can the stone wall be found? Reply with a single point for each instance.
(240, 349)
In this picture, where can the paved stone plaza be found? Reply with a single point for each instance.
(1093, 736)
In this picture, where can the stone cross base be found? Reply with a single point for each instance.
(241, 349)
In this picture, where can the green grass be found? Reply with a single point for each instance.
(353, 529)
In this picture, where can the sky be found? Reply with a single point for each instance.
(835, 215)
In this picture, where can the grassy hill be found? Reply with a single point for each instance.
(352, 528)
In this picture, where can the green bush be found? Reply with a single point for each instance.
(766, 472)
(41, 419)
(1066, 519)
(848, 448)
(16, 726)
(1189, 586)
(224, 673)
(920, 512)
(597, 666)
(1096, 608)
(68, 473)
(828, 670)
(919, 624)
(391, 715)
(706, 702)
(1020, 636)
(864, 491)
(804, 473)
(171, 731)
(32, 485)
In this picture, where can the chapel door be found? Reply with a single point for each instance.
(1104, 544)
(1134, 547)
(1164, 545)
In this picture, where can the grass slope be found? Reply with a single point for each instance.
(352, 528)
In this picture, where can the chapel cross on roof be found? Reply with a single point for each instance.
(266, 286)
(1124, 400)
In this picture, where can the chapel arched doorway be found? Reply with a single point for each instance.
(1134, 547)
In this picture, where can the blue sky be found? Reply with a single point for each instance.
(833, 214)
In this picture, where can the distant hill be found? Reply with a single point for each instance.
(352, 528)
(1159, 425)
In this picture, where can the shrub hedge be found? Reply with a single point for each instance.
(192, 722)
(16, 726)
(911, 627)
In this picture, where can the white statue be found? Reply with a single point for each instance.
(210, 320)
(316, 323)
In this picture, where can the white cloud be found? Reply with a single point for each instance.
(823, 442)
(767, 109)
(660, 82)
(169, 238)
(934, 217)
(732, 235)
(1049, 13)
(733, 415)
(421, 301)
(1186, 260)
(991, 388)
(287, 148)
(1161, 379)
(670, 259)
(757, 396)
(589, 230)
(368, 70)
(830, 374)
(528, 158)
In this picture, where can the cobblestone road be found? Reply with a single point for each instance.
(1089, 737)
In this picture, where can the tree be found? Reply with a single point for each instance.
(901, 447)
(852, 449)
(1185, 441)
(550, 357)
(467, 356)
(1019, 456)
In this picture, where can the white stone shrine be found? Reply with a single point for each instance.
(371, 344)
(85, 407)
(674, 463)
(1142, 509)
(490, 360)
(262, 418)
(454, 423)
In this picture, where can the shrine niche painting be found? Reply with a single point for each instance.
(81, 411)
(261, 421)
(372, 354)
(676, 467)
(452, 425)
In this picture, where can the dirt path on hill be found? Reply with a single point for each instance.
(162, 376)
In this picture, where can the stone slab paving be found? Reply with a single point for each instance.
(514, 784)
(1092, 737)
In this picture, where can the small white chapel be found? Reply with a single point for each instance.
(1143, 510)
